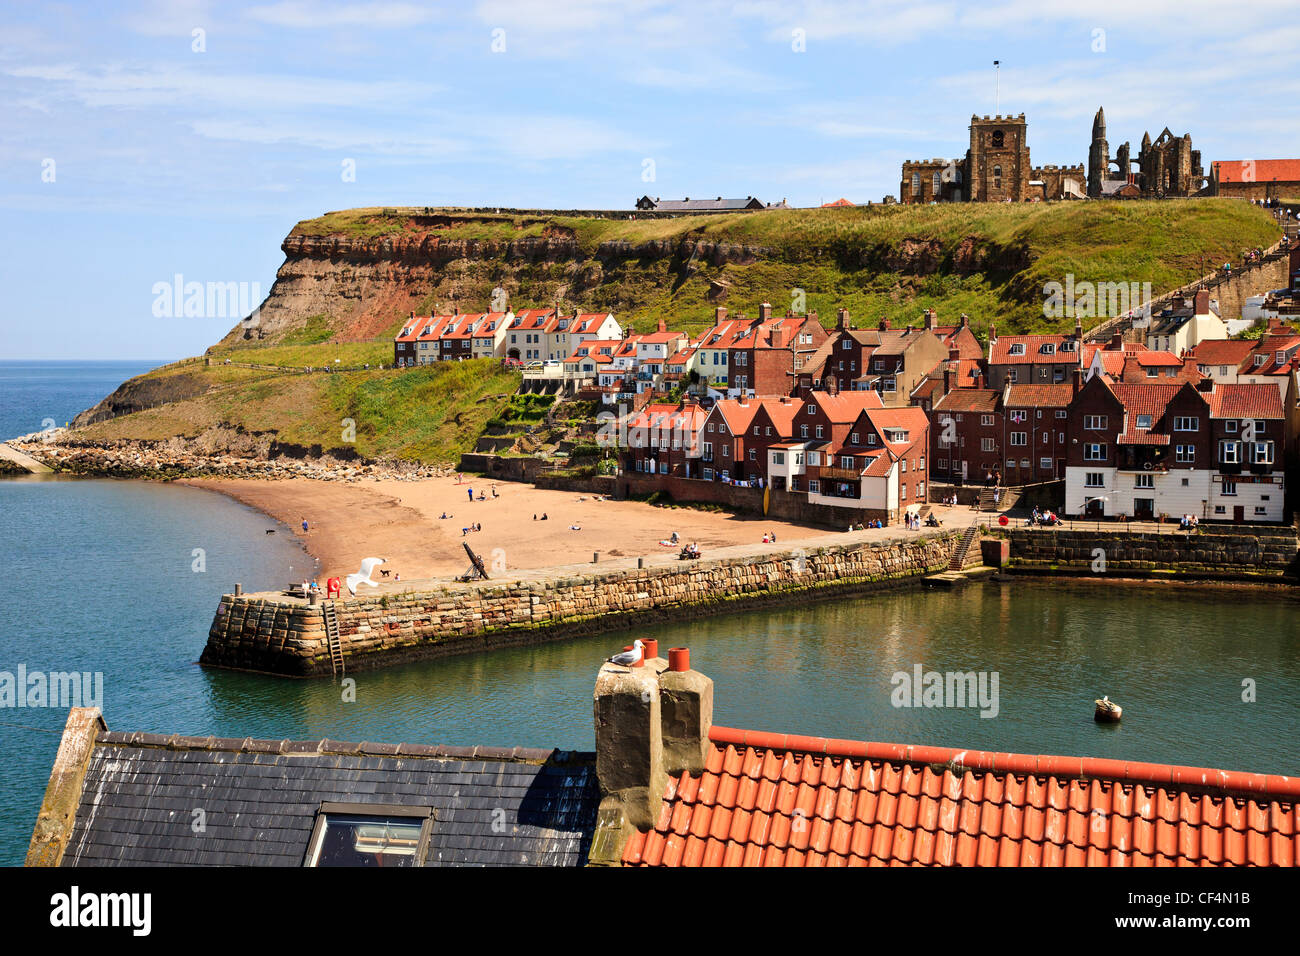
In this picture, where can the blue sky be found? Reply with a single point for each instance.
(167, 159)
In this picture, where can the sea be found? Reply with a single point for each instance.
(120, 579)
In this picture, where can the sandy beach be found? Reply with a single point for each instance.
(401, 522)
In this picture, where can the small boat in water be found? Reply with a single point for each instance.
(1107, 711)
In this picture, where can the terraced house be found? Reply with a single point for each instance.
(1033, 359)
(1151, 450)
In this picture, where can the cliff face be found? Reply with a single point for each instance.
(366, 286)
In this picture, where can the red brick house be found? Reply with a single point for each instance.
(966, 438)
(1035, 432)
(1033, 359)
(764, 355)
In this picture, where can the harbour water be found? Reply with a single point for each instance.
(100, 576)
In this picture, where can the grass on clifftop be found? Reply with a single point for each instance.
(840, 257)
(429, 414)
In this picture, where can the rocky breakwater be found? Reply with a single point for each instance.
(184, 458)
(281, 635)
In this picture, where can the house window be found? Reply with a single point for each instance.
(753, 454)
(1259, 426)
(814, 486)
(1045, 464)
(1061, 413)
(1094, 451)
(708, 474)
(815, 458)
(812, 409)
(1185, 453)
(902, 492)
(853, 439)
(352, 834)
(920, 489)
(1017, 415)
(1017, 348)
(819, 431)
(803, 431)
(1263, 453)
(1013, 375)
(778, 458)
(1186, 423)
(871, 439)
(846, 344)
(988, 444)
(1019, 438)
(1261, 510)
(997, 177)
(846, 462)
(1229, 487)
(1220, 510)
(1144, 421)
(1229, 453)
(1095, 423)
(986, 419)
(1144, 481)
(1094, 479)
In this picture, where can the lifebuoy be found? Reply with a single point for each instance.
(1146, 466)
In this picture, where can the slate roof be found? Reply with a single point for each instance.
(260, 800)
(768, 799)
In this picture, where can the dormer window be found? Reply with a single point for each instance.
(1047, 348)
(1016, 349)
(1144, 421)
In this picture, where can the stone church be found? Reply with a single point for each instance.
(996, 168)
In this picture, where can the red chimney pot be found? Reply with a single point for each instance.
(679, 659)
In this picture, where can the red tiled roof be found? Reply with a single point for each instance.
(1001, 354)
(1221, 351)
(1146, 399)
(970, 400)
(842, 408)
(1258, 170)
(1040, 396)
(776, 800)
(1142, 438)
(1246, 401)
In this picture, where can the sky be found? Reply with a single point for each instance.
(144, 141)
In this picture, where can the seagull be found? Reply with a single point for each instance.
(368, 566)
(628, 658)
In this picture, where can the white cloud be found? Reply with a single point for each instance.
(312, 15)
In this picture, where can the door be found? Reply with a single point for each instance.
(1096, 508)
(1238, 514)
(1144, 508)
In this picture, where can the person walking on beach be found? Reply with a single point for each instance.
(470, 492)
(304, 525)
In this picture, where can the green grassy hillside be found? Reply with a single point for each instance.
(988, 260)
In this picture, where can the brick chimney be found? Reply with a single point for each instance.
(884, 323)
(965, 321)
(1202, 301)
(765, 311)
(663, 325)
(1116, 342)
(842, 319)
(652, 722)
(1077, 379)
(929, 319)
(720, 315)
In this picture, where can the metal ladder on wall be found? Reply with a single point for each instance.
(332, 637)
(959, 553)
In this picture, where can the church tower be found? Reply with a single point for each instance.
(1098, 155)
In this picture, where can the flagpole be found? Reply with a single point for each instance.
(997, 89)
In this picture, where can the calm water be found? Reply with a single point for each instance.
(99, 576)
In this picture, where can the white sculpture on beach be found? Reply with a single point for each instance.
(368, 566)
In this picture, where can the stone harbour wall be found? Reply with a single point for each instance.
(275, 634)
(1241, 553)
